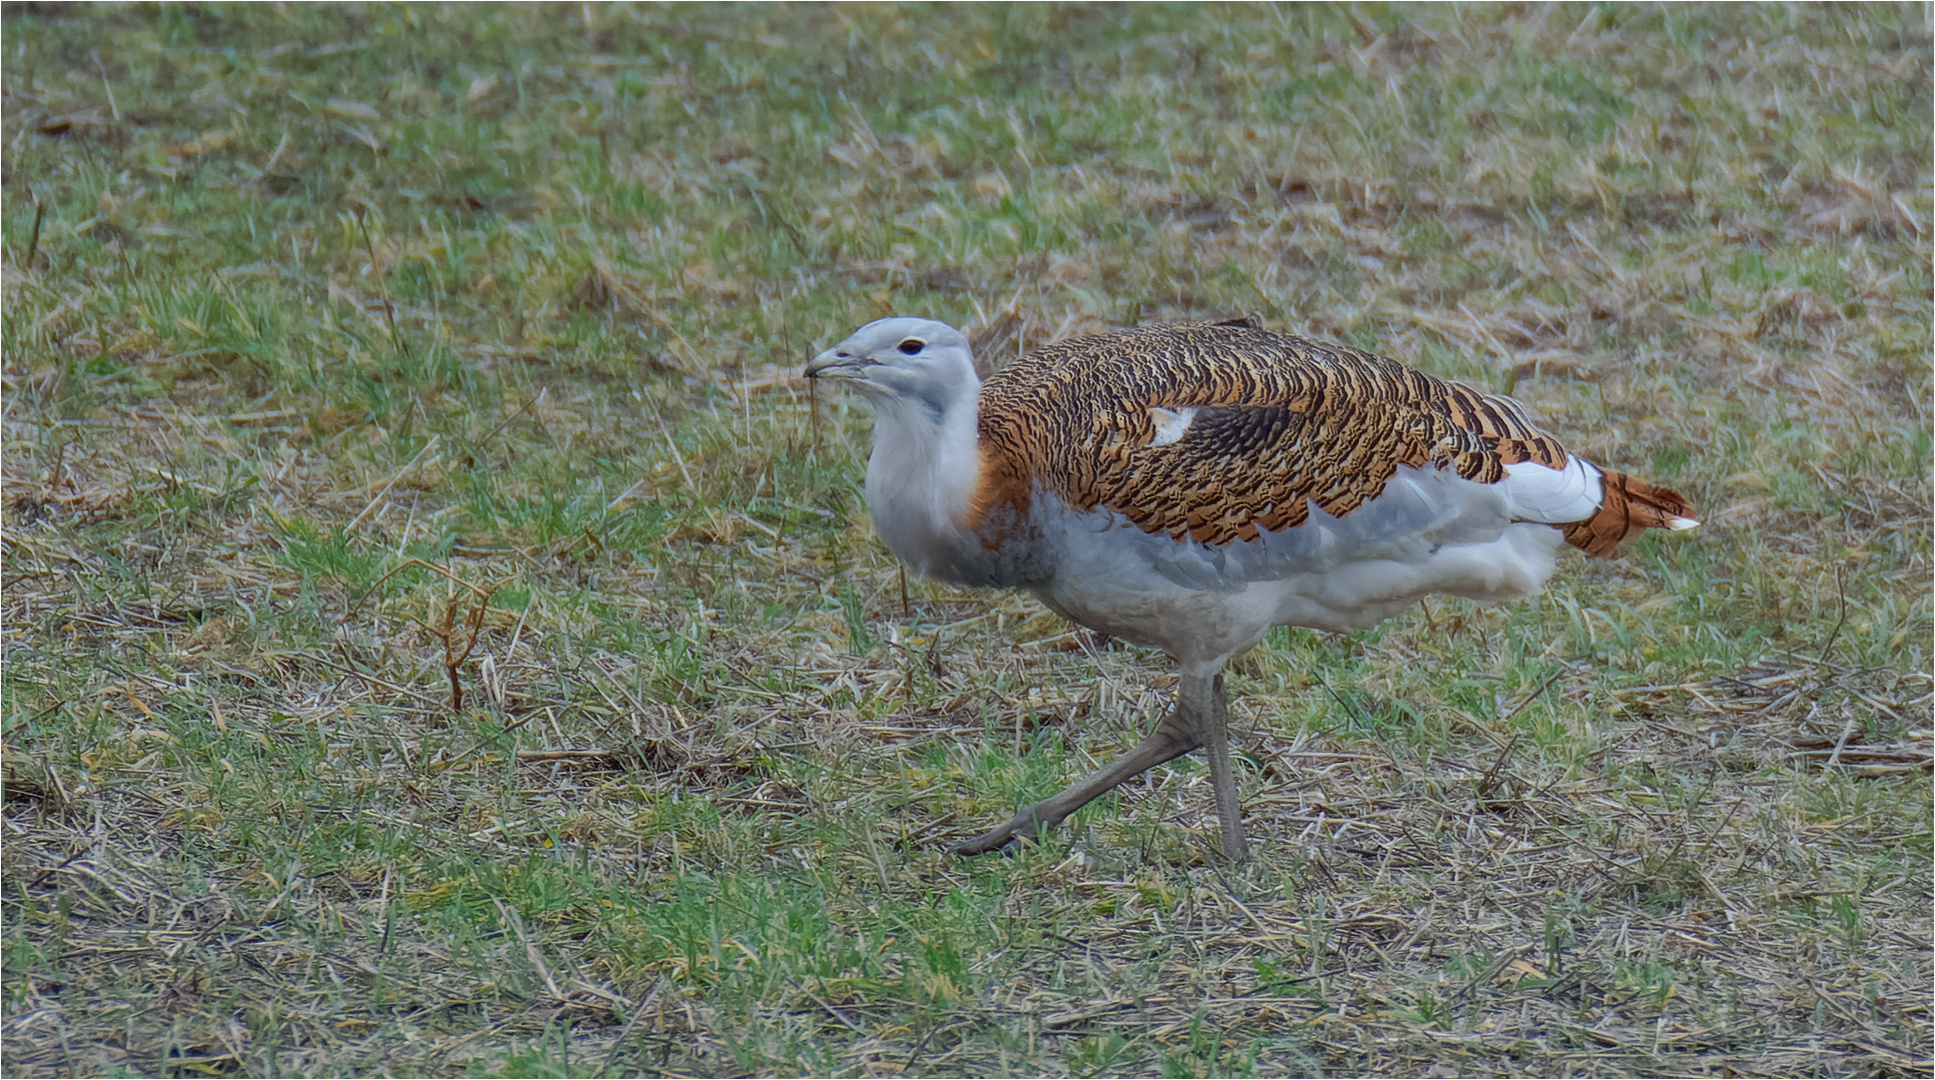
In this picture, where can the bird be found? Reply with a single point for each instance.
(1188, 486)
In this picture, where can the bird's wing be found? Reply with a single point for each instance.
(1223, 433)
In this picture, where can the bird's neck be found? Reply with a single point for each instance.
(921, 480)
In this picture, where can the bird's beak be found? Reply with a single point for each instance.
(837, 363)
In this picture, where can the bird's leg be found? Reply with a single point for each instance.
(1176, 735)
(1200, 719)
(1216, 747)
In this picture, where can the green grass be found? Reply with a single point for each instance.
(347, 347)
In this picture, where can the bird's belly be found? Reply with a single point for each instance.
(1201, 603)
(1147, 610)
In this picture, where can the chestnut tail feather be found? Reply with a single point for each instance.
(1630, 507)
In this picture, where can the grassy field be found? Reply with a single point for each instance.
(443, 635)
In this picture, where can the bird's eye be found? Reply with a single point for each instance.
(912, 346)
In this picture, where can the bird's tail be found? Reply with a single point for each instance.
(1630, 507)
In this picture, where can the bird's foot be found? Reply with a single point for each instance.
(1236, 847)
(1027, 825)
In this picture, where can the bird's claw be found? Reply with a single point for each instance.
(1007, 839)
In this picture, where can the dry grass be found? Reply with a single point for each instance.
(356, 356)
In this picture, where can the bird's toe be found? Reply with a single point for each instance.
(1007, 838)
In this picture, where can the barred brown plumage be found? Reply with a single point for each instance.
(1190, 486)
(1284, 421)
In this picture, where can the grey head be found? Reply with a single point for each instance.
(904, 363)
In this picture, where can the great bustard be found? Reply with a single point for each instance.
(1189, 486)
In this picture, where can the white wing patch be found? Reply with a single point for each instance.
(1534, 492)
(1170, 423)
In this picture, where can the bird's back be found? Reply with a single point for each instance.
(1220, 431)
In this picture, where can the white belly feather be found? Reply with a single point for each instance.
(1430, 532)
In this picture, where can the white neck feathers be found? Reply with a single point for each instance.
(921, 478)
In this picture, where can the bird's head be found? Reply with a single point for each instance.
(902, 362)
